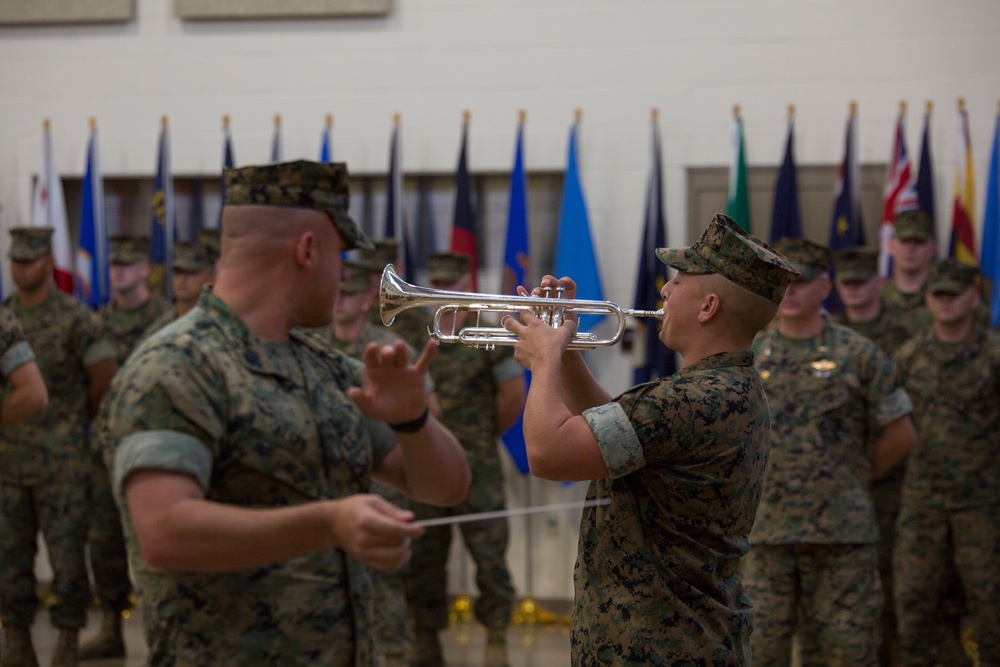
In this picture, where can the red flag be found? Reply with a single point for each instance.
(50, 211)
(463, 231)
(963, 236)
(899, 193)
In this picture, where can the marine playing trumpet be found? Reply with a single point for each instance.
(396, 295)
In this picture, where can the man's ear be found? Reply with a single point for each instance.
(710, 305)
(305, 249)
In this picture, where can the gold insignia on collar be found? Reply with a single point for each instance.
(823, 365)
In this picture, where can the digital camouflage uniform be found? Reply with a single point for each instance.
(45, 465)
(258, 425)
(950, 517)
(656, 578)
(465, 382)
(392, 633)
(813, 564)
(105, 542)
(888, 334)
(908, 310)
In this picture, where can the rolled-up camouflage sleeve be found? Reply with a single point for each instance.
(616, 438)
(16, 356)
(164, 451)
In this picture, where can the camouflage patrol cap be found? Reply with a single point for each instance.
(726, 249)
(384, 252)
(448, 267)
(123, 249)
(357, 278)
(211, 242)
(810, 259)
(192, 257)
(914, 224)
(949, 276)
(320, 186)
(855, 264)
(29, 243)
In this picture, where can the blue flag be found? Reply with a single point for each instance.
(276, 141)
(161, 246)
(227, 163)
(574, 249)
(426, 233)
(846, 227)
(395, 222)
(925, 174)
(786, 214)
(325, 149)
(92, 254)
(517, 271)
(989, 258)
(660, 361)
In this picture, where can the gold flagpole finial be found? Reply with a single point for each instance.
(854, 107)
(577, 115)
(329, 120)
(930, 107)
(46, 124)
(163, 121)
(225, 121)
(736, 111)
(791, 111)
(521, 116)
(93, 123)
(277, 120)
(902, 107)
(466, 115)
(961, 105)
(654, 114)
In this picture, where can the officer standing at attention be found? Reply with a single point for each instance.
(45, 461)
(193, 268)
(481, 393)
(129, 313)
(680, 459)
(951, 493)
(839, 419)
(244, 446)
(860, 287)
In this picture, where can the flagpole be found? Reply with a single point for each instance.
(169, 223)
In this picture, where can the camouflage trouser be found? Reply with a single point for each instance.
(59, 509)
(106, 544)
(828, 595)
(886, 494)
(929, 541)
(427, 585)
(392, 631)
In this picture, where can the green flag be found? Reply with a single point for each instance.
(738, 205)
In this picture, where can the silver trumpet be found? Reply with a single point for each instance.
(396, 295)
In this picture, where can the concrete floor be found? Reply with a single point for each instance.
(537, 645)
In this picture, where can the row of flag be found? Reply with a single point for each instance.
(85, 270)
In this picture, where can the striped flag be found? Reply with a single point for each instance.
(963, 235)
(898, 194)
(49, 210)
(463, 230)
(659, 361)
(989, 260)
(786, 213)
(517, 271)
(738, 204)
(574, 246)
(92, 284)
